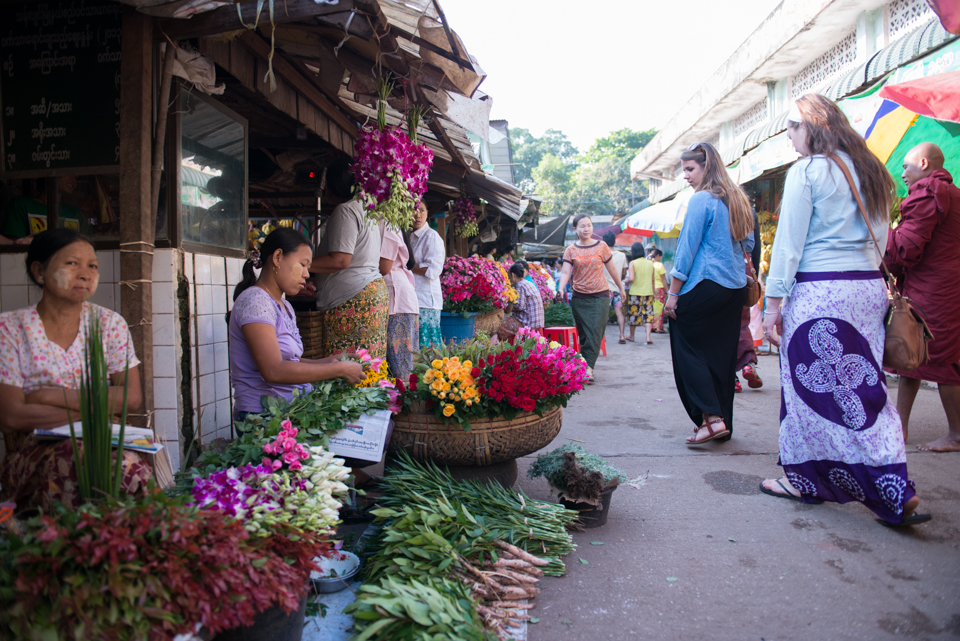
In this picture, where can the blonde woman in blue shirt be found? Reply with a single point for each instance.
(706, 295)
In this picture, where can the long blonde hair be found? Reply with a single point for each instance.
(828, 130)
(717, 181)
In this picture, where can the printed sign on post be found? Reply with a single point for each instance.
(363, 439)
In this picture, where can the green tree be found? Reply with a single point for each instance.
(622, 145)
(528, 151)
(553, 180)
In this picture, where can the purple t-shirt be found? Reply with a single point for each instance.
(255, 305)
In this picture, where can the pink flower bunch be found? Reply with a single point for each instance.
(287, 448)
(540, 280)
(391, 173)
(363, 357)
(393, 393)
(472, 280)
(464, 217)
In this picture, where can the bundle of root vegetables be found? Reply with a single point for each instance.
(468, 556)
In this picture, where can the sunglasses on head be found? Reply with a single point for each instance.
(697, 146)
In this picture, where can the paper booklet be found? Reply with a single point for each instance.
(363, 439)
(139, 439)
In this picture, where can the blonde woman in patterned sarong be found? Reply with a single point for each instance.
(840, 435)
(350, 291)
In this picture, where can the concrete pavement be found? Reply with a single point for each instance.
(743, 565)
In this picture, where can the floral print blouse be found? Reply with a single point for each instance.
(29, 361)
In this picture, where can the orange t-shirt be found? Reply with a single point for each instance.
(588, 267)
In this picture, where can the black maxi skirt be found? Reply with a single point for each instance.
(703, 345)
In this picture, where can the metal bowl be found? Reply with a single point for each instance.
(345, 570)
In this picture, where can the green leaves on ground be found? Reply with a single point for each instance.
(426, 609)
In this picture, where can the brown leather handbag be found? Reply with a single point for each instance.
(753, 283)
(905, 346)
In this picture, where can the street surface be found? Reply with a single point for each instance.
(741, 565)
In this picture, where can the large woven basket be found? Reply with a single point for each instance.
(489, 322)
(310, 325)
(426, 437)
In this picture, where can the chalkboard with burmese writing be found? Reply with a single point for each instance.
(60, 87)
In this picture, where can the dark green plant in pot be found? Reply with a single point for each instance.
(576, 474)
(98, 470)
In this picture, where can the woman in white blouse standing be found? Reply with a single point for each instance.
(402, 328)
(428, 256)
(840, 435)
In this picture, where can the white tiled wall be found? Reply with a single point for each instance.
(211, 282)
(167, 353)
(17, 291)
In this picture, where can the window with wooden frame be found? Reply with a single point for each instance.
(212, 177)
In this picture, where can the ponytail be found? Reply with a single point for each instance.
(248, 280)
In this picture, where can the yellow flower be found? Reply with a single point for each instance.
(428, 377)
(467, 365)
(454, 359)
(554, 345)
(437, 364)
(469, 402)
(448, 410)
(446, 387)
(443, 394)
(445, 360)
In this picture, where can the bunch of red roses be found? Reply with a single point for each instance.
(472, 284)
(532, 376)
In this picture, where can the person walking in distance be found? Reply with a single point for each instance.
(923, 252)
(585, 261)
(840, 435)
(707, 292)
(746, 349)
(660, 290)
(619, 261)
(640, 278)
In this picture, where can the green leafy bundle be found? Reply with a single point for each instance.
(428, 609)
(323, 411)
(99, 470)
(550, 466)
(558, 315)
(498, 513)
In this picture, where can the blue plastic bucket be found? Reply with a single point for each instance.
(457, 327)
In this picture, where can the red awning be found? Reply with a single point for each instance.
(935, 96)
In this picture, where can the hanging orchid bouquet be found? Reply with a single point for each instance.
(475, 285)
(391, 168)
(464, 217)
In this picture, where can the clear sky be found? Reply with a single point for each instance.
(589, 68)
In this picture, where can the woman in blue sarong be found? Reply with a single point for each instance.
(840, 435)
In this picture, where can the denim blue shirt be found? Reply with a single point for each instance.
(705, 249)
(821, 228)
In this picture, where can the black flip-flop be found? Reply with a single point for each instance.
(788, 495)
(623, 341)
(916, 519)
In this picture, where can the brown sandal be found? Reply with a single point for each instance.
(713, 434)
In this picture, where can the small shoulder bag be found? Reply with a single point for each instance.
(905, 344)
(753, 283)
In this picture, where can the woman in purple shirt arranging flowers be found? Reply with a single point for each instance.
(265, 345)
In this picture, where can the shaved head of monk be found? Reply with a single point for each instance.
(920, 162)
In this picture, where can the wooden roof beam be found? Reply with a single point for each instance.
(225, 19)
(289, 72)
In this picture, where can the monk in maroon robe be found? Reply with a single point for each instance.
(923, 252)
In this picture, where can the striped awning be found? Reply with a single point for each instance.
(914, 44)
(762, 132)
(848, 83)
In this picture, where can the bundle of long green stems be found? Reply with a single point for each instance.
(534, 526)
(98, 470)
